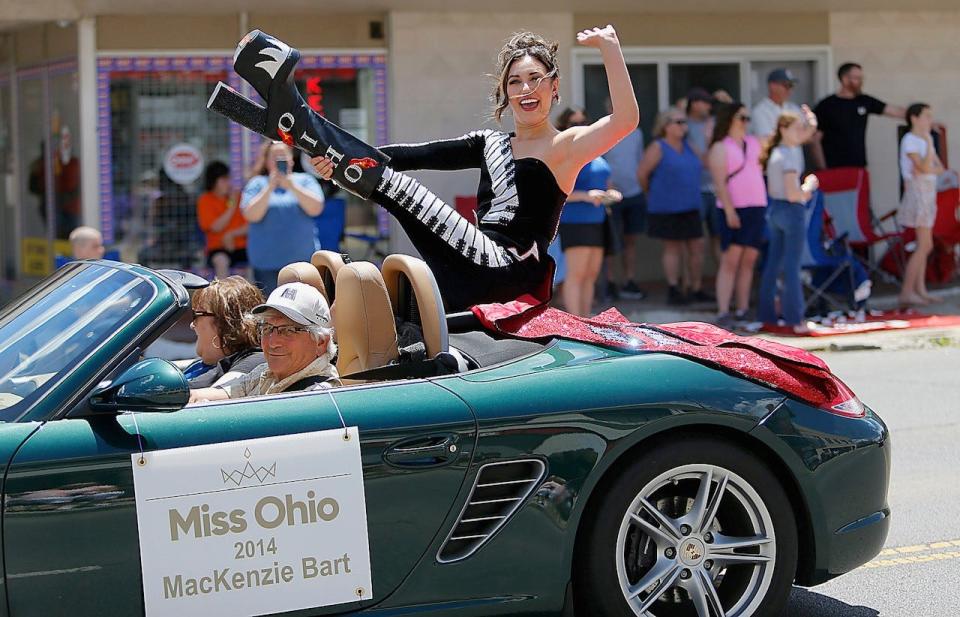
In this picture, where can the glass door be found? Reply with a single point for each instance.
(683, 77)
(645, 86)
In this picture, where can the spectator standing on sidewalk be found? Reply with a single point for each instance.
(221, 221)
(279, 206)
(628, 217)
(765, 115)
(700, 123)
(919, 167)
(782, 158)
(583, 226)
(842, 117)
(734, 160)
(670, 176)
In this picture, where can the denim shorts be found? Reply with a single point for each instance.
(753, 227)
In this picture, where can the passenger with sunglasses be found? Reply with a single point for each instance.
(765, 114)
(734, 161)
(670, 173)
(227, 343)
(297, 341)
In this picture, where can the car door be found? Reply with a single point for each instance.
(70, 526)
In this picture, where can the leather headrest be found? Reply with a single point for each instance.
(328, 263)
(366, 334)
(415, 296)
(302, 272)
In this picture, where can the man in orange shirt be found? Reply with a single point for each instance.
(221, 221)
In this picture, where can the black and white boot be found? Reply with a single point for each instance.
(267, 64)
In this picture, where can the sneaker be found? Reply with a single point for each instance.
(702, 296)
(675, 297)
(631, 291)
(613, 291)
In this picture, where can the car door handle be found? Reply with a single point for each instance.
(424, 451)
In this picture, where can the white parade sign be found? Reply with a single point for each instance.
(253, 527)
(183, 163)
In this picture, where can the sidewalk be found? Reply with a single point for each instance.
(654, 309)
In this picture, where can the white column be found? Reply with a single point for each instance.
(89, 140)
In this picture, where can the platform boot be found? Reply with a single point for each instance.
(267, 64)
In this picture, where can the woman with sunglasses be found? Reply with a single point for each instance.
(583, 224)
(227, 339)
(525, 176)
(670, 173)
(734, 161)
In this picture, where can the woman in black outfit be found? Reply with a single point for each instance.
(524, 176)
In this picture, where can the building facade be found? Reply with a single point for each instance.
(103, 111)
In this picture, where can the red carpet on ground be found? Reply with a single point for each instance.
(885, 320)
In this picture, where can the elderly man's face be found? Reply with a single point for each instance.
(289, 349)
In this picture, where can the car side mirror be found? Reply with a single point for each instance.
(151, 385)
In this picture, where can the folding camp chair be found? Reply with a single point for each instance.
(834, 278)
(846, 194)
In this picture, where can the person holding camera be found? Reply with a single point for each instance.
(279, 205)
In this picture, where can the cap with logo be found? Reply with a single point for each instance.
(781, 76)
(300, 302)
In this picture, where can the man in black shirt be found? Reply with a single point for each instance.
(842, 118)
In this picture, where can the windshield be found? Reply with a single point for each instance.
(43, 339)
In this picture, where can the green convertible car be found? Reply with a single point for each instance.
(546, 476)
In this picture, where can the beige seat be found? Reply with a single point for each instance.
(366, 334)
(328, 264)
(416, 298)
(302, 272)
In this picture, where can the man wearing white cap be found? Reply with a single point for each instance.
(295, 334)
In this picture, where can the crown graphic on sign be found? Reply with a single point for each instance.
(249, 473)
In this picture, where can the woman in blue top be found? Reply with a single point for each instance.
(670, 176)
(279, 205)
(582, 224)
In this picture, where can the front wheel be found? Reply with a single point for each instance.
(693, 528)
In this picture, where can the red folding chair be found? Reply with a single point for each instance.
(942, 264)
(846, 194)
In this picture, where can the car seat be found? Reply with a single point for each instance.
(366, 334)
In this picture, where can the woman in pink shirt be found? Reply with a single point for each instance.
(734, 161)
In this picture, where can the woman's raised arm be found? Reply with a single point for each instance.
(588, 142)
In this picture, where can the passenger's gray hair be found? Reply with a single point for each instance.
(318, 332)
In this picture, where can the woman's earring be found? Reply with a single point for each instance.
(556, 96)
(216, 342)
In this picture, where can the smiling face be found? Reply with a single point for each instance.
(287, 354)
(531, 89)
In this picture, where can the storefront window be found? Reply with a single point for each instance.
(644, 79)
(8, 234)
(161, 137)
(48, 122)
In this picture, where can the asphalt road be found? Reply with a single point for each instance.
(917, 393)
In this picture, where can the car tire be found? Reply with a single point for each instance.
(743, 546)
